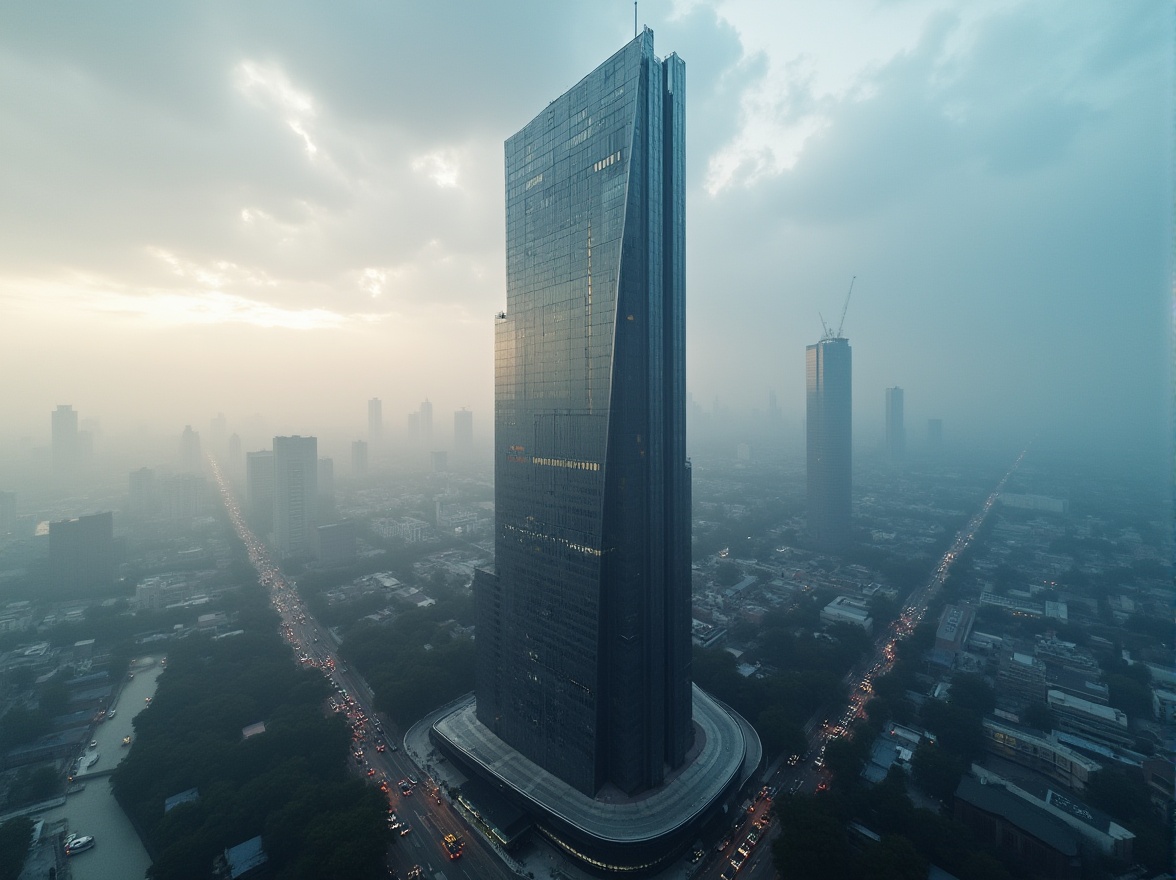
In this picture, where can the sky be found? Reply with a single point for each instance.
(279, 210)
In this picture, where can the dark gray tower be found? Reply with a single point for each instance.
(584, 629)
(829, 406)
(895, 432)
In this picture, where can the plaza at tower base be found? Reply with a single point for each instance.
(614, 833)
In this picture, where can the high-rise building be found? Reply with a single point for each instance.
(935, 434)
(66, 447)
(326, 490)
(426, 425)
(375, 422)
(295, 495)
(259, 490)
(828, 429)
(359, 458)
(463, 433)
(81, 553)
(142, 497)
(895, 432)
(190, 456)
(583, 628)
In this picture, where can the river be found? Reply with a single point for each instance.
(118, 854)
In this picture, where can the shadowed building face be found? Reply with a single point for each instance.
(584, 629)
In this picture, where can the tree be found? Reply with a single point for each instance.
(16, 835)
(973, 694)
(895, 858)
(936, 770)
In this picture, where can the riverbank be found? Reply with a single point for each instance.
(90, 808)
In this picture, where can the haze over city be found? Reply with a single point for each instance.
(277, 212)
(478, 441)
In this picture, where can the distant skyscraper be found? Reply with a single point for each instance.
(326, 490)
(935, 434)
(463, 433)
(81, 553)
(7, 512)
(414, 430)
(219, 431)
(66, 449)
(829, 430)
(359, 458)
(583, 628)
(259, 490)
(375, 422)
(895, 432)
(142, 497)
(190, 457)
(295, 495)
(427, 426)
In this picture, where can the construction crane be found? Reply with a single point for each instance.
(829, 334)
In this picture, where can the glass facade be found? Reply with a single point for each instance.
(828, 409)
(583, 629)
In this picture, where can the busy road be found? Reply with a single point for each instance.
(430, 839)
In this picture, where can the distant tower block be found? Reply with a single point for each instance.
(295, 495)
(829, 433)
(935, 434)
(66, 446)
(895, 432)
(359, 458)
(375, 421)
(463, 432)
(426, 425)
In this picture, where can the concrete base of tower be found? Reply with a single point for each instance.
(614, 833)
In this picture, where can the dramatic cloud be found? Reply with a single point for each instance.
(306, 201)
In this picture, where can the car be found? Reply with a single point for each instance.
(696, 856)
(744, 850)
(737, 862)
(453, 845)
(93, 743)
(414, 872)
(380, 747)
(413, 780)
(371, 771)
(405, 830)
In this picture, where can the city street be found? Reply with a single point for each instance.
(420, 807)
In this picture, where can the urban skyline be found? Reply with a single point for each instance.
(815, 156)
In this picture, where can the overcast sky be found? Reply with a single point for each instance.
(288, 208)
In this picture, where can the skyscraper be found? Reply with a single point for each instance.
(584, 634)
(828, 429)
(81, 554)
(295, 495)
(66, 448)
(935, 434)
(895, 432)
(463, 433)
(375, 421)
(583, 684)
(259, 490)
(359, 458)
(426, 425)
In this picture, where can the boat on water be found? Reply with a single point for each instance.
(88, 760)
(110, 714)
(126, 740)
(75, 844)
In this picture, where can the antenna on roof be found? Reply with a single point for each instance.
(634, 19)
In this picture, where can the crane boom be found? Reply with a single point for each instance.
(845, 307)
